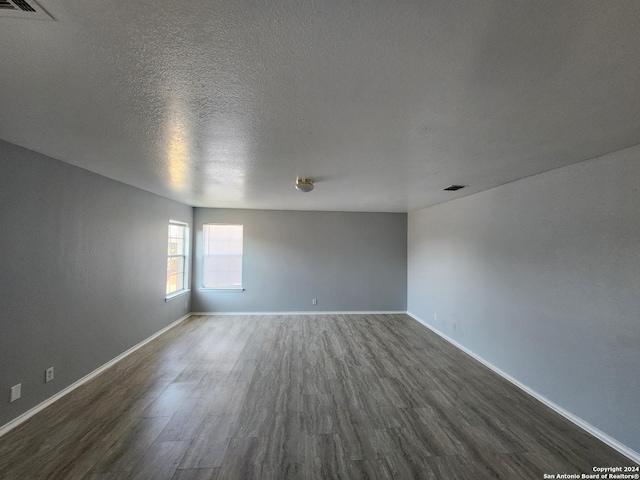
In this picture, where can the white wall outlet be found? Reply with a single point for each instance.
(435, 317)
(48, 374)
(314, 301)
(186, 304)
(455, 327)
(16, 392)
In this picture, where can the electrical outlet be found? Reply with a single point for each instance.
(48, 374)
(435, 317)
(314, 301)
(186, 305)
(455, 327)
(16, 392)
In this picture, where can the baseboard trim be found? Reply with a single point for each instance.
(586, 426)
(41, 406)
(310, 312)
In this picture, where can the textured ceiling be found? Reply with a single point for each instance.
(384, 103)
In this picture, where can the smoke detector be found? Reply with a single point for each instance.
(28, 9)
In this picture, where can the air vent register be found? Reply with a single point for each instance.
(23, 9)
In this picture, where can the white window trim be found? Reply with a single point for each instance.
(227, 290)
(177, 294)
(187, 239)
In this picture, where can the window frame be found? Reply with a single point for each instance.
(238, 288)
(185, 255)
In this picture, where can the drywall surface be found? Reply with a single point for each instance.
(347, 261)
(83, 262)
(541, 278)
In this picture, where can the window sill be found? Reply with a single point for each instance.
(173, 295)
(223, 290)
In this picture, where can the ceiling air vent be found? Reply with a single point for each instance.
(24, 6)
(29, 9)
(453, 188)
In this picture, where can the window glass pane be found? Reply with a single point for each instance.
(179, 282)
(178, 244)
(172, 265)
(222, 261)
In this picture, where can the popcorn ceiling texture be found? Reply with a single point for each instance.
(223, 104)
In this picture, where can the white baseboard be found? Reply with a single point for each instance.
(310, 312)
(41, 406)
(586, 426)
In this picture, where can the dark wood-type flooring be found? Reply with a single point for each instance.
(299, 397)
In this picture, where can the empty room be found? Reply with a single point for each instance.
(319, 240)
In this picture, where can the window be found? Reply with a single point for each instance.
(177, 258)
(222, 261)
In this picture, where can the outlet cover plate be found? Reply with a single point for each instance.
(16, 392)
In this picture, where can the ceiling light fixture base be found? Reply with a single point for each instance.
(304, 184)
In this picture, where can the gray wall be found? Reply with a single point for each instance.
(83, 268)
(348, 261)
(542, 279)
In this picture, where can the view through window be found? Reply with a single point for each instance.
(222, 260)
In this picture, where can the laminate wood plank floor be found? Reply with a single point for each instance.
(299, 397)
